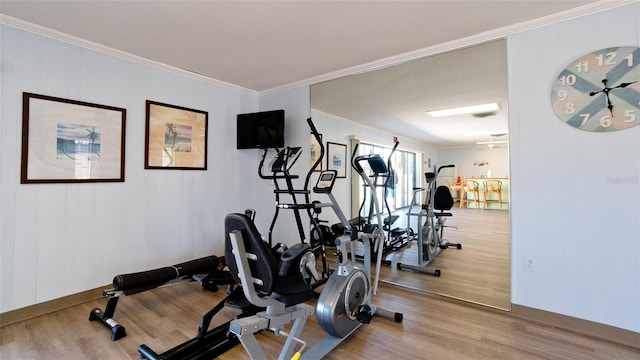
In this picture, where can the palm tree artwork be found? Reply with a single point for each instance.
(62, 148)
(170, 137)
(77, 142)
(177, 139)
(94, 136)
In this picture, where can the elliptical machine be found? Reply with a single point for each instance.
(280, 168)
(382, 176)
(396, 238)
(375, 231)
(344, 303)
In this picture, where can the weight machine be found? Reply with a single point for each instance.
(204, 270)
(280, 168)
(208, 343)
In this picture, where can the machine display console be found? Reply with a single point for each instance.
(325, 181)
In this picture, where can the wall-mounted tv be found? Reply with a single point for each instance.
(261, 130)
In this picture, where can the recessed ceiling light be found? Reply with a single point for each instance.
(472, 109)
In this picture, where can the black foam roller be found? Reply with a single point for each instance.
(198, 266)
(145, 280)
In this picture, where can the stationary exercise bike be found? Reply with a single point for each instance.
(344, 303)
(430, 235)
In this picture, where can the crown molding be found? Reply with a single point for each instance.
(86, 44)
(487, 36)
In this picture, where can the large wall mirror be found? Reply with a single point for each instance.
(395, 100)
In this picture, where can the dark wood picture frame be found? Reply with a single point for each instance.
(337, 158)
(175, 137)
(69, 141)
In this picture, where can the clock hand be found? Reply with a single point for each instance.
(606, 90)
(624, 85)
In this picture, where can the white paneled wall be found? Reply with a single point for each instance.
(60, 239)
(575, 194)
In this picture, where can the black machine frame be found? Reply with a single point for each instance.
(207, 343)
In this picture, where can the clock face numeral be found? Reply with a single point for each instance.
(629, 59)
(606, 59)
(582, 67)
(600, 91)
(562, 95)
(606, 121)
(585, 118)
(569, 108)
(568, 80)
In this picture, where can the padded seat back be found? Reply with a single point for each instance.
(443, 199)
(264, 266)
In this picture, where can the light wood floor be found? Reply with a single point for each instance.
(434, 328)
(479, 272)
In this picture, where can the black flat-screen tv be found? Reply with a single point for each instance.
(261, 130)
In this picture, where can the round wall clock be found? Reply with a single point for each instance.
(600, 91)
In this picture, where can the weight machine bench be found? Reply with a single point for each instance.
(205, 270)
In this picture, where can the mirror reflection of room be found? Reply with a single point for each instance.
(396, 100)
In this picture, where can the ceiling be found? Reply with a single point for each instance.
(268, 45)
(395, 99)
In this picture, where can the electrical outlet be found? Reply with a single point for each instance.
(529, 264)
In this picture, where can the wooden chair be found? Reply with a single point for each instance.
(492, 187)
(470, 187)
(457, 190)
